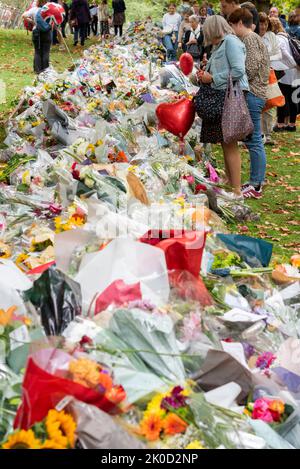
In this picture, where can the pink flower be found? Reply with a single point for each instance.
(261, 411)
(265, 360)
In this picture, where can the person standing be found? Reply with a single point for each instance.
(274, 13)
(289, 82)
(103, 13)
(293, 28)
(119, 9)
(66, 19)
(203, 14)
(94, 20)
(258, 71)
(194, 39)
(184, 27)
(41, 37)
(80, 18)
(272, 44)
(171, 24)
(229, 6)
(228, 58)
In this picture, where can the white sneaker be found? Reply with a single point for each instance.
(230, 196)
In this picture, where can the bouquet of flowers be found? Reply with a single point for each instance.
(56, 431)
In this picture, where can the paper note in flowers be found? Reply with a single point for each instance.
(129, 261)
(118, 293)
(183, 250)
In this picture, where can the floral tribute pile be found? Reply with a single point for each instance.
(129, 315)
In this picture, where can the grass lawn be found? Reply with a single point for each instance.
(279, 208)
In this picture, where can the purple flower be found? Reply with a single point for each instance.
(265, 360)
(249, 350)
(176, 400)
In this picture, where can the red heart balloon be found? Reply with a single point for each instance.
(186, 63)
(177, 117)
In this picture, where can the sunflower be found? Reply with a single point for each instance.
(61, 428)
(174, 424)
(151, 426)
(24, 439)
(51, 444)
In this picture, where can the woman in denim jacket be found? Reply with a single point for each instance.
(228, 57)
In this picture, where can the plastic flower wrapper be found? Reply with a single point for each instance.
(52, 374)
(127, 260)
(145, 337)
(57, 299)
(221, 427)
(96, 429)
(17, 331)
(10, 398)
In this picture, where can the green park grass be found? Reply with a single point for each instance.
(279, 208)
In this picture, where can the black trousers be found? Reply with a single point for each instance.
(118, 28)
(95, 25)
(290, 109)
(63, 28)
(42, 45)
(80, 31)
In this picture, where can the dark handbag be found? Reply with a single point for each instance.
(209, 103)
(194, 50)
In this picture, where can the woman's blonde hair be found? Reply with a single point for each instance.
(276, 26)
(215, 27)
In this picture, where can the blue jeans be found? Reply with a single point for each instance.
(254, 143)
(171, 46)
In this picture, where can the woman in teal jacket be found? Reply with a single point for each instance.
(228, 57)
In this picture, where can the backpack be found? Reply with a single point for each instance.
(41, 24)
(295, 48)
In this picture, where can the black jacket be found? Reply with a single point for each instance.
(80, 11)
(118, 6)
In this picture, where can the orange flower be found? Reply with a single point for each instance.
(7, 316)
(151, 426)
(116, 394)
(105, 381)
(121, 157)
(277, 406)
(174, 424)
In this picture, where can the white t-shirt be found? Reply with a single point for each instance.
(171, 22)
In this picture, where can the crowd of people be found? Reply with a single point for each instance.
(82, 19)
(241, 42)
(236, 41)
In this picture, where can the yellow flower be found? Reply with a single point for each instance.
(85, 372)
(194, 445)
(21, 260)
(61, 428)
(51, 444)
(153, 406)
(5, 251)
(6, 316)
(23, 439)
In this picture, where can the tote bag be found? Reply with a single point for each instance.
(236, 120)
(274, 96)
